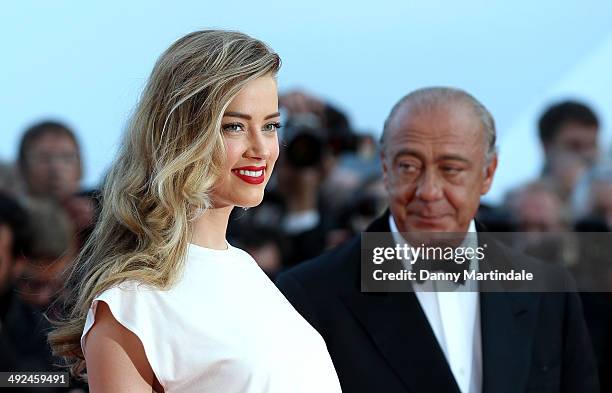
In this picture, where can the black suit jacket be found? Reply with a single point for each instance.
(382, 342)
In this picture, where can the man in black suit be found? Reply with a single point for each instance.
(438, 156)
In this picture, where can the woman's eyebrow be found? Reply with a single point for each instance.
(248, 117)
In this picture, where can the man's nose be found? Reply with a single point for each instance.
(429, 188)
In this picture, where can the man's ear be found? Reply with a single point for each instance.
(489, 174)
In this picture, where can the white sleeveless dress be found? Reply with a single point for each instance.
(223, 328)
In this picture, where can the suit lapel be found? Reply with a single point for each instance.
(401, 332)
(507, 327)
(508, 322)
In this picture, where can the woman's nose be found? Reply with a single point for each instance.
(258, 148)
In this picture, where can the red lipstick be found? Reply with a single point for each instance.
(251, 174)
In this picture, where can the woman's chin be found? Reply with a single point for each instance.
(253, 201)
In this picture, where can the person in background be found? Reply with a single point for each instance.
(50, 161)
(302, 169)
(365, 205)
(569, 132)
(592, 207)
(14, 241)
(542, 223)
(50, 164)
(536, 207)
(9, 180)
(592, 199)
(23, 326)
(52, 250)
(306, 108)
(333, 132)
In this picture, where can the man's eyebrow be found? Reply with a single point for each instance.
(407, 152)
(453, 157)
(248, 117)
(445, 157)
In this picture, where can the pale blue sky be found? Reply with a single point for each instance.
(85, 62)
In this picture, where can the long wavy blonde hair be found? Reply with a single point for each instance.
(168, 163)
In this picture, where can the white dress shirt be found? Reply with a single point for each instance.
(454, 317)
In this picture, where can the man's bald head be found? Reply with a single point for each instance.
(438, 159)
(431, 98)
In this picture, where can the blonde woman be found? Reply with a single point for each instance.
(160, 300)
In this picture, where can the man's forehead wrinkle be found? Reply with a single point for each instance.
(436, 130)
(439, 148)
(437, 111)
(439, 136)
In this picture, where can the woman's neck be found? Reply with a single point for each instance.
(209, 229)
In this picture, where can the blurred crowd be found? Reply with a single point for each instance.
(327, 186)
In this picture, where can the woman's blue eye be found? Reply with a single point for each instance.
(233, 127)
(272, 126)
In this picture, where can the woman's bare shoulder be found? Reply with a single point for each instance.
(115, 357)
